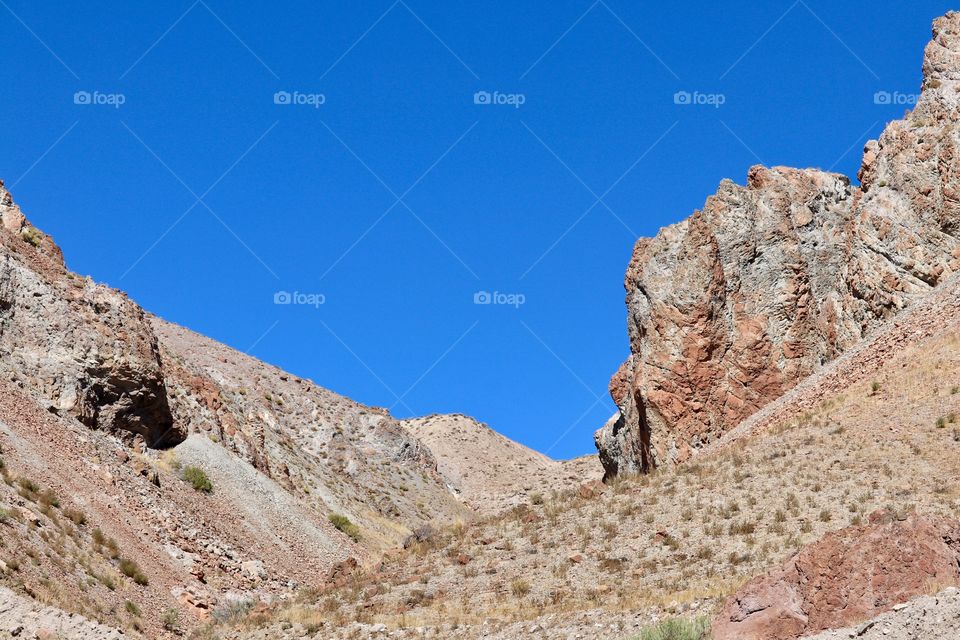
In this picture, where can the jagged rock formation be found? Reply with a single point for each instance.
(86, 348)
(732, 307)
(847, 577)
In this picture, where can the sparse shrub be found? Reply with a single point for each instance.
(198, 479)
(28, 489)
(536, 498)
(826, 516)
(742, 528)
(132, 570)
(76, 516)
(132, 608)
(49, 499)
(233, 610)
(677, 629)
(519, 588)
(874, 387)
(104, 544)
(170, 619)
(343, 523)
(32, 235)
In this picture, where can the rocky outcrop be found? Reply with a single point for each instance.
(87, 349)
(730, 308)
(847, 577)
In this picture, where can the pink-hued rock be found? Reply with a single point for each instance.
(88, 350)
(730, 308)
(846, 577)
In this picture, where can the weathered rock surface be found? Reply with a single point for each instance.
(22, 618)
(926, 617)
(730, 308)
(86, 348)
(847, 577)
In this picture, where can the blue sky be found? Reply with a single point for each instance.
(147, 138)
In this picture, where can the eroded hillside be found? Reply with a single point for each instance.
(605, 560)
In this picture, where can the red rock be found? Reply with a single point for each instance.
(846, 577)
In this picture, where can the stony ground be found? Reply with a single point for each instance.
(935, 617)
(25, 619)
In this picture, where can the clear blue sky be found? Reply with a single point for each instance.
(492, 197)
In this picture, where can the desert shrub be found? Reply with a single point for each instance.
(4, 515)
(49, 499)
(742, 528)
(343, 523)
(170, 619)
(132, 609)
(76, 516)
(32, 236)
(233, 610)
(132, 570)
(28, 489)
(519, 588)
(198, 479)
(677, 629)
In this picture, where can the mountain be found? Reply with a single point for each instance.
(783, 462)
(491, 472)
(732, 307)
(876, 430)
(147, 464)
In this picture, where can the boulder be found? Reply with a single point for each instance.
(845, 578)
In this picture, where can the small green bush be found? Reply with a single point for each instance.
(343, 523)
(170, 619)
(198, 479)
(132, 609)
(132, 570)
(677, 629)
(32, 235)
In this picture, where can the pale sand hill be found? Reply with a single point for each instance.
(491, 472)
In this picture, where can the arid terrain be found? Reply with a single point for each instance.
(783, 463)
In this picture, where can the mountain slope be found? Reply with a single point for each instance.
(604, 563)
(491, 472)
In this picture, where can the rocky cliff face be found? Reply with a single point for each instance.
(730, 308)
(85, 348)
